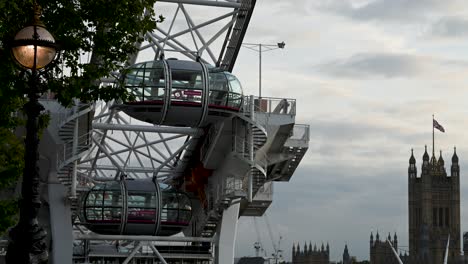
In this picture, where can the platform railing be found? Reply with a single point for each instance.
(270, 105)
(300, 132)
(232, 185)
(265, 192)
(137, 249)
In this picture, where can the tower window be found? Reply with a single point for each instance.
(441, 216)
(447, 217)
(434, 217)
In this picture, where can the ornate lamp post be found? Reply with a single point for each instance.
(33, 48)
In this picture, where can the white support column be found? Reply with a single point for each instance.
(227, 233)
(251, 149)
(75, 153)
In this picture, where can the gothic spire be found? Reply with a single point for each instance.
(426, 155)
(441, 160)
(412, 160)
(454, 157)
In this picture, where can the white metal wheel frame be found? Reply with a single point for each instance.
(208, 31)
(124, 146)
(196, 30)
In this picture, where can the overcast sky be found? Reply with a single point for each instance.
(367, 75)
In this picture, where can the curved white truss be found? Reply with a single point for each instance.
(124, 146)
(207, 30)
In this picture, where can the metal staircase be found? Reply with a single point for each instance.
(257, 160)
(76, 141)
(295, 147)
(211, 224)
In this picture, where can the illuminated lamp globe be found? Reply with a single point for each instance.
(24, 45)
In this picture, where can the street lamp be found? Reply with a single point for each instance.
(33, 49)
(260, 48)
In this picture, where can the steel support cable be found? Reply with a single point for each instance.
(270, 233)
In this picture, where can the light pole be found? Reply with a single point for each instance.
(260, 48)
(33, 48)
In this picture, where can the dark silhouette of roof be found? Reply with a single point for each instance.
(251, 260)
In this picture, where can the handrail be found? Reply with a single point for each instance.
(242, 147)
(66, 115)
(270, 105)
(65, 152)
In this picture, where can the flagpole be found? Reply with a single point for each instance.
(433, 153)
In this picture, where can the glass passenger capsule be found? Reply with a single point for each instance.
(135, 207)
(177, 92)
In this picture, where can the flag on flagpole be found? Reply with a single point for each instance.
(438, 126)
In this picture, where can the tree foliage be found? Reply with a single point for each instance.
(105, 30)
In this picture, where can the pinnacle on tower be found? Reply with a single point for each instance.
(426, 155)
(454, 157)
(371, 237)
(441, 160)
(412, 160)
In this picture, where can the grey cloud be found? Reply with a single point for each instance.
(388, 65)
(388, 10)
(371, 65)
(450, 27)
(343, 130)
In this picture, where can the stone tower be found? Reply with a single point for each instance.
(346, 257)
(434, 209)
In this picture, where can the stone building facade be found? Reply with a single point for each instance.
(311, 255)
(380, 250)
(434, 210)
